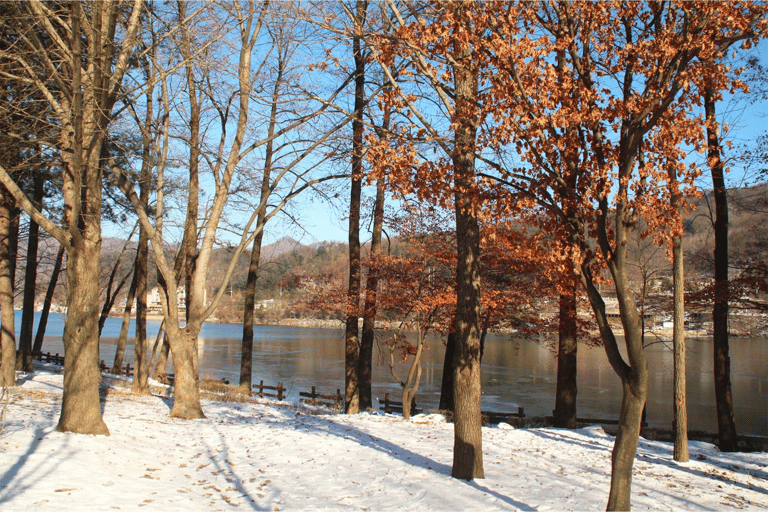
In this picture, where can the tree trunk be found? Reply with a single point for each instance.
(467, 444)
(141, 362)
(162, 361)
(565, 398)
(117, 365)
(80, 407)
(140, 346)
(186, 385)
(365, 370)
(246, 355)
(722, 362)
(351, 333)
(634, 389)
(246, 358)
(446, 384)
(680, 452)
(7, 314)
(24, 362)
(43, 324)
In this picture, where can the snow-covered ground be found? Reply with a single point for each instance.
(269, 457)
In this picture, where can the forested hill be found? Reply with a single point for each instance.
(748, 230)
(748, 243)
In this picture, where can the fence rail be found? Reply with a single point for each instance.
(390, 406)
(279, 390)
(315, 398)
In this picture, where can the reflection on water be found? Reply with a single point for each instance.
(515, 373)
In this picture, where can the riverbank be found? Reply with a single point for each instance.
(260, 456)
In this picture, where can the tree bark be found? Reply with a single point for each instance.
(160, 373)
(365, 370)
(186, 261)
(42, 325)
(634, 374)
(80, 407)
(722, 362)
(467, 444)
(7, 314)
(24, 361)
(87, 84)
(351, 332)
(141, 361)
(117, 365)
(634, 390)
(446, 384)
(680, 452)
(246, 357)
(565, 398)
(246, 353)
(186, 385)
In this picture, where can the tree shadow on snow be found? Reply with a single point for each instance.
(365, 439)
(506, 499)
(670, 463)
(19, 477)
(586, 442)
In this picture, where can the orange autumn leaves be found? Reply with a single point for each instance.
(593, 103)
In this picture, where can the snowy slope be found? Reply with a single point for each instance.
(269, 457)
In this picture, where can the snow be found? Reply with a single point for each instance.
(266, 456)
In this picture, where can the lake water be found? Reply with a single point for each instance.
(514, 373)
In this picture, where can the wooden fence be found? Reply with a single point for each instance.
(499, 417)
(390, 406)
(336, 401)
(126, 370)
(47, 357)
(279, 390)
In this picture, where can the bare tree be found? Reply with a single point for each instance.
(7, 332)
(722, 371)
(244, 22)
(78, 69)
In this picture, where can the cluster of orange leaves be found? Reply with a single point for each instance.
(597, 100)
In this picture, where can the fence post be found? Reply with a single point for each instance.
(521, 412)
(314, 396)
(279, 390)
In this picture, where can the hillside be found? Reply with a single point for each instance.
(748, 233)
(286, 257)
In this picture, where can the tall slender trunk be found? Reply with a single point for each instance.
(467, 437)
(24, 361)
(565, 398)
(246, 353)
(161, 364)
(365, 370)
(722, 362)
(351, 332)
(43, 323)
(141, 361)
(117, 365)
(246, 357)
(680, 452)
(634, 375)
(446, 384)
(187, 258)
(7, 314)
